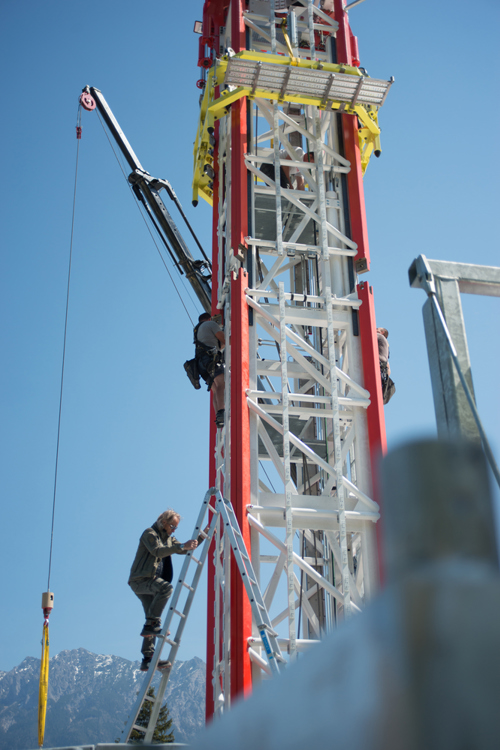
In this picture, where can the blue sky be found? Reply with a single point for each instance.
(134, 434)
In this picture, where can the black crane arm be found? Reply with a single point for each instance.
(147, 190)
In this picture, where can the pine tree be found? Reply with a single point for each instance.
(161, 733)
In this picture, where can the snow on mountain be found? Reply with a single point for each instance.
(89, 698)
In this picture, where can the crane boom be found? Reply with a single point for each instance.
(147, 190)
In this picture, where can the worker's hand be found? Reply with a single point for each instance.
(192, 544)
(207, 527)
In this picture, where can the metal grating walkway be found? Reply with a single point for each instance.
(295, 81)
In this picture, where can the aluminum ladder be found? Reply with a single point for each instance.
(190, 580)
(259, 611)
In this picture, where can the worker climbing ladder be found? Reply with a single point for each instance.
(222, 514)
(288, 122)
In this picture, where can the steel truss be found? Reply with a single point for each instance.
(310, 515)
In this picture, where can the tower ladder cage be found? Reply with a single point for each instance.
(303, 404)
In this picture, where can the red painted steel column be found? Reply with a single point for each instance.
(372, 382)
(359, 231)
(371, 371)
(209, 705)
(241, 614)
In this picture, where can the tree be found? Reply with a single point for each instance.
(161, 733)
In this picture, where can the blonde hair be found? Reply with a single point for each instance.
(167, 517)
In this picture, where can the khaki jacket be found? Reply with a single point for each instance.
(154, 545)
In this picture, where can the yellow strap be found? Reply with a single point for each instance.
(44, 684)
(295, 60)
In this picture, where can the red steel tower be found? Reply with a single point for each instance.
(288, 122)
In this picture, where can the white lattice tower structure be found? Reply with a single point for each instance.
(288, 117)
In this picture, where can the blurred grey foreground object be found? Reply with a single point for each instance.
(122, 746)
(419, 669)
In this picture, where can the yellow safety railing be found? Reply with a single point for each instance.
(213, 108)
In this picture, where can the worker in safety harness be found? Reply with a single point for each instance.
(388, 387)
(290, 177)
(209, 342)
(151, 576)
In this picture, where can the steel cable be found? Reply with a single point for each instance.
(147, 225)
(78, 128)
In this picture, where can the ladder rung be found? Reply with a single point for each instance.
(268, 629)
(149, 698)
(139, 728)
(195, 559)
(170, 643)
(187, 586)
(181, 614)
(254, 583)
(162, 635)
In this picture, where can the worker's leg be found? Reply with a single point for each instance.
(148, 647)
(154, 594)
(147, 644)
(218, 392)
(162, 591)
(145, 600)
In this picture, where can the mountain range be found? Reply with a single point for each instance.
(89, 699)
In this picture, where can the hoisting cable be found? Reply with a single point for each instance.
(48, 596)
(147, 225)
(181, 211)
(267, 475)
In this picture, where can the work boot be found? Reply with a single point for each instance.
(150, 629)
(164, 665)
(192, 372)
(219, 418)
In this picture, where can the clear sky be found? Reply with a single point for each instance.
(134, 434)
